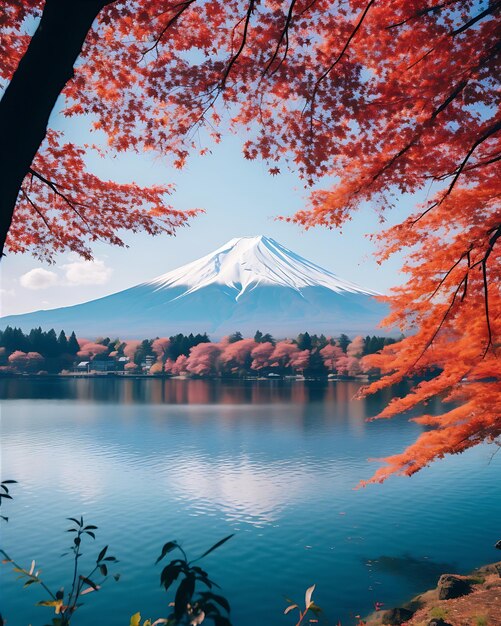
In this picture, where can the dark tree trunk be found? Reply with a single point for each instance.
(31, 95)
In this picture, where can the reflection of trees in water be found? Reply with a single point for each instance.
(337, 397)
(423, 572)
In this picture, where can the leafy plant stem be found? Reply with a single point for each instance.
(26, 573)
(73, 597)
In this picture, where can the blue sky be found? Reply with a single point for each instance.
(240, 199)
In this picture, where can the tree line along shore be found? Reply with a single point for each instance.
(307, 355)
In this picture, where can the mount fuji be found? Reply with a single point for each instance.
(249, 283)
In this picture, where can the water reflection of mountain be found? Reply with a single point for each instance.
(246, 449)
(276, 463)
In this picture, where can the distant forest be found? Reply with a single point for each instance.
(46, 352)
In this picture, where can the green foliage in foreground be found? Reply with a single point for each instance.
(195, 599)
(66, 603)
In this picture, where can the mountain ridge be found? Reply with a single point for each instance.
(246, 284)
(227, 263)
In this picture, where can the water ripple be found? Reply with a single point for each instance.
(149, 463)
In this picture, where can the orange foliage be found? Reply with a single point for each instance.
(383, 97)
(156, 368)
(64, 207)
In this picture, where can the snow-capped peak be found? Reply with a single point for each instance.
(244, 263)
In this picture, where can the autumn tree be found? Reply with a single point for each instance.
(356, 347)
(90, 349)
(178, 366)
(261, 355)
(236, 354)
(282, 354)
(331, 355)
(300, 360)
(381, 97)
(26, 361)
(348, 366)
(203, 359)
(130, 349)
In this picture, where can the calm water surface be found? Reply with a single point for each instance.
(149, 460)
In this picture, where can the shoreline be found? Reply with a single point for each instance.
(125, 376)
(457, 600)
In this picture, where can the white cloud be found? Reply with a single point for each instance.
(87, 273)
(76, 273)
(39, 278)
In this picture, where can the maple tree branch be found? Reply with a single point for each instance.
(492, 8)
(342, 53)
(54, 186)
(307, 8)
(45, 68)
(496, 234)
(493, 159)
(457, 90)
(432, 206)
(465, 254)
(395, 157)
(452, 96)
(465, 291)
(493, 129)
(218, 88)
(283, 34)
(37, 210)
(234, 58)
(439, 327)
(184, 6)
(422, 13)
(486, 304)
(420, 59)
(498, 444)
(233, 30)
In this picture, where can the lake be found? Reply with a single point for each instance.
(276, 463)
